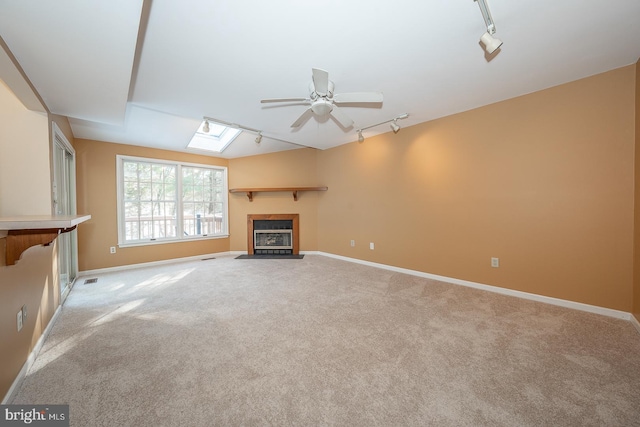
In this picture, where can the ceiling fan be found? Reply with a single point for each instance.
(324, 102)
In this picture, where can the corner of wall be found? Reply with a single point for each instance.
(636, 255)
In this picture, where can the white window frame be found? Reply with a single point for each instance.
(122, 242)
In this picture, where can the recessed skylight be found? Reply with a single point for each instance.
(216, 139)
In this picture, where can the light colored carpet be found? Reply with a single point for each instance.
(320, 341)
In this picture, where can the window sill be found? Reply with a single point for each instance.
(168, 241)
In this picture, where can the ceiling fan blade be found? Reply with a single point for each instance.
(303, 118)
(358, 97)
(320, 81)
(341, 117)
(264, 101)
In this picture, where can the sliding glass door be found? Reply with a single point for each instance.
(64, 203)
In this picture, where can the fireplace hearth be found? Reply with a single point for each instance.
(272, 234)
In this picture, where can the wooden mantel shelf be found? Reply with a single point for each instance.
(293, 190)
(25, 231)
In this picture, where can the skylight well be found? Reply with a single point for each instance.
(213, 137)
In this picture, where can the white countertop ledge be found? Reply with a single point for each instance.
(35, 222)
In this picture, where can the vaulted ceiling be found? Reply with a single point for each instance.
(145, 72)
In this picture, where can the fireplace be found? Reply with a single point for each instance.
(272, 234)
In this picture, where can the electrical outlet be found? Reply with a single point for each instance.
(372, 246)
(112, 249)
(353, 243)
(19, 319)
(495, 262)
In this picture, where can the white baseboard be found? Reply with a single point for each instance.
(635, 322)
(504, 291)
(32, 357)
(149, 264)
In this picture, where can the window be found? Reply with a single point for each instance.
(162, 201)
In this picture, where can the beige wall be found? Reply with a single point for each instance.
(25, 189)
(636, 272)
(544, 182)
(295, 168)
(96, 195)
(32, 281)
(24, 158)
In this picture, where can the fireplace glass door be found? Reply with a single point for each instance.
(272, 239)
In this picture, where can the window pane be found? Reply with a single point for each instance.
(200, 188)
(150, 205)
(144, 191)
(144, 172)
(147, 187)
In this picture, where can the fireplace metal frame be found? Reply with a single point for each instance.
(294, 218)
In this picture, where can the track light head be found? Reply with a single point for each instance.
(490, 43)
(360, 137)
(205, 126)
(259, 138)
(394, 127)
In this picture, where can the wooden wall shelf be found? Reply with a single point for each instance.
(26, 231)
(293, 190)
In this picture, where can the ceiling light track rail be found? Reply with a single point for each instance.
(395, 127)
(259, 134)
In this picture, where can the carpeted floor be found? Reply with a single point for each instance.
(320, 341)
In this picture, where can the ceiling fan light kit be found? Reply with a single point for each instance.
(322, 107)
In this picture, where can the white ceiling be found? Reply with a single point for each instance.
(145, 72)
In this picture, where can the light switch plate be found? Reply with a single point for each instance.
(19, 319)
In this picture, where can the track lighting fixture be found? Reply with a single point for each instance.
(490, 43)
(217, 122)
(216, 135)
(394, 125)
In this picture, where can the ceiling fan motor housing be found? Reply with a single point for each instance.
(315, 95)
